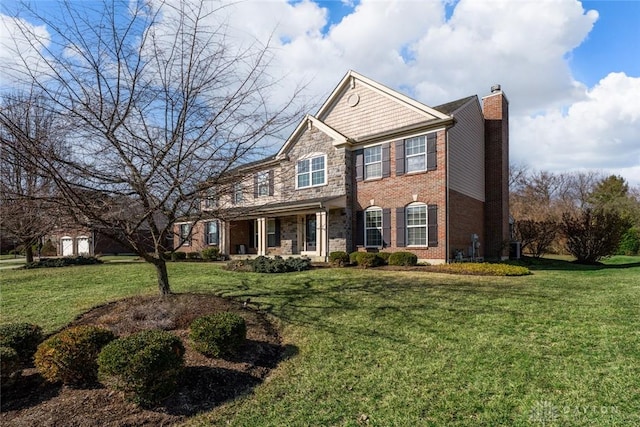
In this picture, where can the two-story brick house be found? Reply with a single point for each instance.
(372, 170)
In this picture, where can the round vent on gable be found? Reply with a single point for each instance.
(353, 100)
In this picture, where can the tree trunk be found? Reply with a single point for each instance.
(163, 276)
(28, 251)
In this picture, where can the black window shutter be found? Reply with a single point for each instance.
(400, 228)
(386, 227)
(359, 234)
(277, 231)
(359, 165)
(271, 185)
(400, 157)
(432, 223)
(431, 152)
(252, 232)
(255, 186)
(385, 160)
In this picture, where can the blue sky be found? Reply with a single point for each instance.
(613, 43)
(570, 69)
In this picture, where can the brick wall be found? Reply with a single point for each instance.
(496, 113)
(466, 217)
(399, 191)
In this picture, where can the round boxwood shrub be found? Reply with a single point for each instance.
(368, 259)
(403, 258)
(71, 356)
(23, 338)
(353, 258)
(339, 258)
(384, 256)
(145, 366)
(210, 254)
(219, 334)
(9, 366)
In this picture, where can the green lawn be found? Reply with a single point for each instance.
(559, 347)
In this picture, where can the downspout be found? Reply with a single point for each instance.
(446, 186)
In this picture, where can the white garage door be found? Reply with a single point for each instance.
(83, 245)
(67, 246)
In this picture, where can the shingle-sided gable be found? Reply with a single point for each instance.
(360, 107)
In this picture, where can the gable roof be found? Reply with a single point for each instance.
(450, 107)
(352, 76)
(309, 120)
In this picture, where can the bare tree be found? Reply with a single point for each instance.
(162, 99)
(25, 205)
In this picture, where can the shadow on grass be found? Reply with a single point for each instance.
(561, 265)
(330, 304)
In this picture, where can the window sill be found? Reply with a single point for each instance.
(311, 186)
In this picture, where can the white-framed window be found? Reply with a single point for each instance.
(415, 150)
(212, 235)
(263, 183)
(185, 234)
(211, 201)
(311, 172)
(373, 227)
(271, 232)
(373, 162)
(237, 193)
(416, 223)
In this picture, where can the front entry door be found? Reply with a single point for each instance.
(310, 233)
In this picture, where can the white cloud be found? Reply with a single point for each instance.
(17, 48)
(556, 121)
(600, 132)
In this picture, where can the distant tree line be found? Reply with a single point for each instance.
(585, 214)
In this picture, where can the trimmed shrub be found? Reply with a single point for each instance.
(298, 264)
(482, 269)
(63, 262)
(263, 264)
(71, 356)
(193, 255)
(210, 254)
(368, 259)
(145, 366)
(10, 367)
(353, 258)
(384, 256)
(23, 338)
(178, 256)
(219, 334)
(339, 258)
(403, 258)
(277, 264)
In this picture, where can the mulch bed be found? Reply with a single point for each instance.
(204, 384)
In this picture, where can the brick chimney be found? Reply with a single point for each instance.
(495, 108)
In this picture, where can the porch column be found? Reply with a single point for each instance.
(224, 237)
(321, 234)
(262, 236)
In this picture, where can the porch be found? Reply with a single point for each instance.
(295, 229)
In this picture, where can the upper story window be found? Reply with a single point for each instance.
(416, 224)
(311, 172)
(415, 152)
(237, 193)
(263, 183)
(373, 162)
(211, 233)
(211, 201)
(373, 227)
